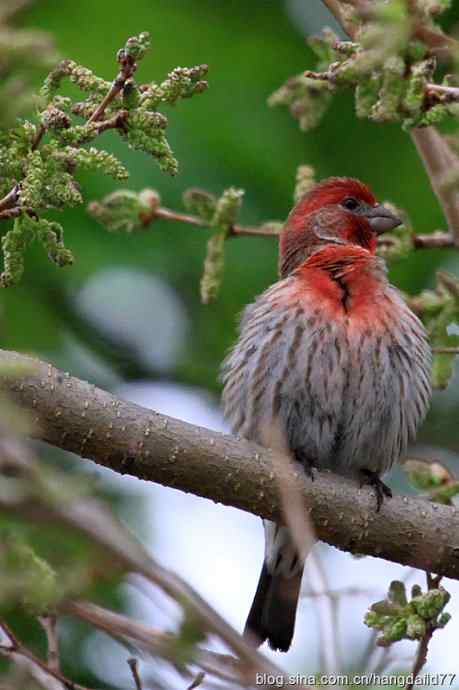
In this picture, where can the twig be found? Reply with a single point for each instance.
(445, 350)
(128, 67)
(375, 659)
(48, 678)
(437, 239)
(152, 641)
(433, 240)
(438, 159)
(294, 510)
(133, 664)
(444, 94)
(197, 680)
(39, 134)
(421, 655)
(10, 199)
(169, 214)
(94, 522)
(49, 625)
(334, 9)
(329, 621)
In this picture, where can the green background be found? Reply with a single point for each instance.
(226, 136)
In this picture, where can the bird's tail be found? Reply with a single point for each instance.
(273, 612)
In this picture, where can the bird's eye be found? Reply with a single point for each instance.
(350, 203)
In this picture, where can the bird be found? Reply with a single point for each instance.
(332, 356)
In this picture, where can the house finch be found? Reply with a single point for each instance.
(333, 357)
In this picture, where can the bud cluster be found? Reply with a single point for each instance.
(400, 619)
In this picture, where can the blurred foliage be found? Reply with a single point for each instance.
(400, 619)
(24, 54)
(432, 477)
(389, 68)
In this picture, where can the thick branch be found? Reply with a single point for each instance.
(76, 416)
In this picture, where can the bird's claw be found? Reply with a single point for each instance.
(382, 491)
(305, 463)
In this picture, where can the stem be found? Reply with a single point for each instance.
(438, 159)
(433, 240)
(42, 674)
(128, 67)
(10, 199)
(133, 664)
(447, 93)
(423, 648)
(169, 214)
(49, 625)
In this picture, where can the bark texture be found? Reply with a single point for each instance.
(79, 417)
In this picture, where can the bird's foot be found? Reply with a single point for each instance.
(305, 463)
(382, 491)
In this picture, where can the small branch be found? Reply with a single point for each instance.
(49, 625)
(118, 121)
(267, 230)
(333, 7)
(421, 656)
(433, 240)
(133, 664)
(443, 94)
(197, 680)
(445, 350)
(93, 521)
(39, 134)
(10, 199)
(438, 159)
(46, 677)
(156, 643)
(128, 67)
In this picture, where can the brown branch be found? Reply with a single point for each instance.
(443, 94)
(133, 665)
(151, 640)
(10, 199)
(79, 417)
(333, 7)
(128, 67)
(438, 160)
(267, 229)
(433, 240)
(91, 519)
(48, 624)
(47, 677)
(423, 647)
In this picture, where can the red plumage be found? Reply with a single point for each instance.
(332, 357)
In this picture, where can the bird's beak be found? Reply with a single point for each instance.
(382, 219)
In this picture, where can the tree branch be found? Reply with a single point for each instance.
(438, 160)
(81, 418)
(267, 229)
(47, 677)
